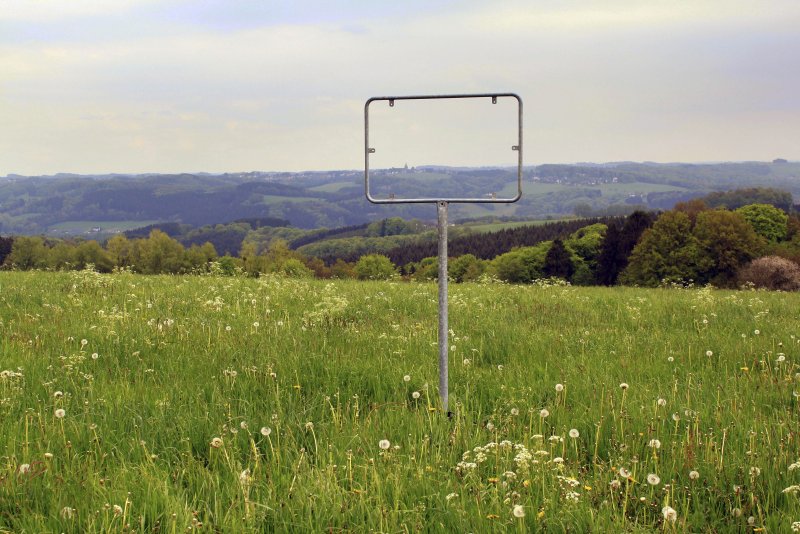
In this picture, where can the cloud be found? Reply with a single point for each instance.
(243, 85)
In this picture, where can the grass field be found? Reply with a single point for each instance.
(161, 404)
(83, 227)
(496, 227)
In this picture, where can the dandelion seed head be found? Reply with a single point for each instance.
(655, 444)
(309, 425)
(624, 473)
(216, 442)
(624, 386)
(709, 353)
(514, 411)
(407, 378)
(573, 433)
(24, 469)
(661, 402)
(415, 395)
(60, 413)
(653, 479)
(384, 444)
(544, 413)
(266, 431)
(669, 514)
(694, 475)
(559, 388)
(518, 511)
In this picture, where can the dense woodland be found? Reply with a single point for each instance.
(737, 242)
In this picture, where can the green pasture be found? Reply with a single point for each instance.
(496, 227)
(334, 187)
(166, 403)
(82, 227)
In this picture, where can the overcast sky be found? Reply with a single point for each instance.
(91, 86)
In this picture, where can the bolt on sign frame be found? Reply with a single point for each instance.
(442, 204)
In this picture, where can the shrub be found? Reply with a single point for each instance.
(374, 267)
(771, 272)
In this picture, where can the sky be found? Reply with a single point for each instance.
(138, 86)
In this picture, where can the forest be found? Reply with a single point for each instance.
(727, 240)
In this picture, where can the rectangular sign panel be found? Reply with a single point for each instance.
(413, 144)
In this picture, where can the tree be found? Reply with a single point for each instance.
(161, 254)
(666, 252)
(90, 252)
(28, 253)
(610, 261)
(374, 267)
(197, 258)
(727, 241)
(61, 257)
(586, 243)
(768, 221)
(557, 262)
(771, 272)
(465, 268)
(692, 208)
(618, 246)
(295, 268)
(342, 269)
(119, 249)
(521, 265)
(6, 243)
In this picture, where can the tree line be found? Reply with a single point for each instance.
(692, 243)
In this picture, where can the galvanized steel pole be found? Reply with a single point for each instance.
(441, 205)
(443, 325)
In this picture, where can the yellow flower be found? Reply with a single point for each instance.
(526, 483)
(492, 516)
(540, 514)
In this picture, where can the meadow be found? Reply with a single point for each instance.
(230, 404)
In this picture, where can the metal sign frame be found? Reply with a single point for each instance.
(490, 200)
(441, 207)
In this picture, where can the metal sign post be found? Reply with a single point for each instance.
(442, 205)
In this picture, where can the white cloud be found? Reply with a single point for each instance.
(48, 10)
(634, 80)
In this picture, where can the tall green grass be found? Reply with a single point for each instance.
(272, 404)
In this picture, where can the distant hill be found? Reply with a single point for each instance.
(100, 205)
